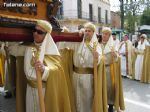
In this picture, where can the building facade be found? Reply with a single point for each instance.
(74, 13)
(115, 20)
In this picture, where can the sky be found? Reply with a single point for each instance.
(114, 5)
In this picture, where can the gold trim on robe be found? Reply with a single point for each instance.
(119, 99)
(33, 83)
(58, 94)
(145, 77)
(99, 101)
(2, 62)
(81, 70)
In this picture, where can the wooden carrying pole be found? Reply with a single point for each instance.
(39, 84)
(95, 109)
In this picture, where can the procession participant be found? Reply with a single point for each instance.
(55, 88)
(116, 41)
(90, 92)
(113, 73)
(140, 56)
(126, 53)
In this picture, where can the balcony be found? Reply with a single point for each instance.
(70, 14)
(74, 15)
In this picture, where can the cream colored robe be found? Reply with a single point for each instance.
(83, 83)
(32, 101)
(122, 49)
(139, 60)
(116, 44)
(113, 76)
(57, 94)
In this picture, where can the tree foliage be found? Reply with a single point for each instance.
(132, 12)
(145, 18)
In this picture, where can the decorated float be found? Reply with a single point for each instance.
(18, 18)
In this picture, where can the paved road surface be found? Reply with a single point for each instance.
(136, 94)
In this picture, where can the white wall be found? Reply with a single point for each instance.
(70, 10)
(104, 7)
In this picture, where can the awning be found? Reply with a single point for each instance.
(144, 29)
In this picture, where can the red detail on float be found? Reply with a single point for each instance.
(29, 38)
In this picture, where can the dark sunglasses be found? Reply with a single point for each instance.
(38, 31)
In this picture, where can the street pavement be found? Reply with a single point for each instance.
(7, 105)
(136, 95)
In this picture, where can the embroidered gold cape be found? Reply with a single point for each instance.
(57, 95)
(145, 77)
(100, 100)
(115, 69)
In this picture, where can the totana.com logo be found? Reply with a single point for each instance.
(24, 4)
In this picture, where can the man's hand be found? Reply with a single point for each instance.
(113, 53)
(81, 32)
(39, 66)
(95, 55)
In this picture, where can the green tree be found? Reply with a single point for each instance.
(130, 8)
(145, 18)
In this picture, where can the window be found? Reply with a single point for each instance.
(79, 7)
(106, 16)
(90, 12)
(99, 14)
(60, 12)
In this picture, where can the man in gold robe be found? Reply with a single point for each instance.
(54, 82)
(126, 54)
(113, 73)
(90, 92)
(142, 44)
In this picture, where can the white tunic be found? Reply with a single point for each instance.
(82, 83)
(32, 99)
(122, 51)
(139, 60)
(116, 44)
